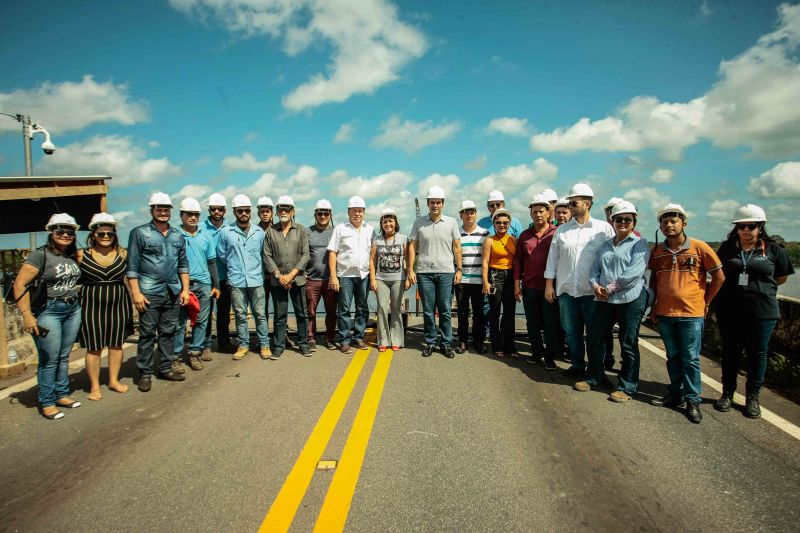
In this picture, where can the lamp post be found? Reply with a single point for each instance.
(29, 129)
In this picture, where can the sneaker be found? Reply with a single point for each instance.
(724, 403)
(550, 366)
(241, 352)
(618, 396)
(312, 345)
(479, 347)
(427, 350)
(751, 408)
(345, 348)
(195, 363)
(265, 353)
(693, 412)
(462, 347)
(582, 386)
(330, 345)
(177, 366)
(206, 355)
(360, 344)
(669, 401)
(533, 359)
(306, 352)
(449, 352)
(275, 355)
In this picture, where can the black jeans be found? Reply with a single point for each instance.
(157, 323)
(280, 302)
(222, 308)
(502, 330)
(744, 334)
(470, 295)
(542, 315)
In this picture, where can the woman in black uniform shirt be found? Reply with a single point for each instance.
(747, 305)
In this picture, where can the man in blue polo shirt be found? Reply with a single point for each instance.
(221, 307)
(158, 273)
(203, 281)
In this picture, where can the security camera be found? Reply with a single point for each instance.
(48, 147)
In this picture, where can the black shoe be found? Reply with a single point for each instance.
(573, 373)
(331, 345)
(427, 350)
(276, 355)
(533, 359)
(312, 345)
(360, 344)
(550, 366)
(693, 412)
(171, 376)
(448, 352)
(480, 347)
(462, 347)
(609, 365)
(751, 407)
(345, 348)
(724, 403)
(669, 401)
(306, 352)
(145, 383)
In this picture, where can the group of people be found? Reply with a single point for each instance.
(576, 275)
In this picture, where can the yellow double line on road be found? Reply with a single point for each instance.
(336, 507)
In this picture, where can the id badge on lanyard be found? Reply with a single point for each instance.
(744, 277)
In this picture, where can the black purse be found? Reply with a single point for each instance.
(37, 289)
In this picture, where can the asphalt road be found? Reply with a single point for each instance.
(470, 444)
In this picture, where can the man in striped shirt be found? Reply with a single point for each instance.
(470, 288)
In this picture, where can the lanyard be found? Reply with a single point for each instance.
(744, 261)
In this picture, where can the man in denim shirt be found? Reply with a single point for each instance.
(158, 272)
(239, 249)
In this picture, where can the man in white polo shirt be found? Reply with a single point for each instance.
(434, 248)
(569, 264)
(348, 261)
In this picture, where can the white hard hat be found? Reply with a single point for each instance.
(436, 192)
(501, 212)
(61, 219)
(539, 199)
(240, 200)
(623, 207)
(551, 195)
(749, 213)
(388, 211)
(671, 208)
(467, 204)
(496, 196)
(580, 189)
(612, 202)
(191, 205)
(285, 200)
(102, 219)
(561, 202)
(265, 201)
(323, 204)
(217, 200)
(159, 198)
(356, 201)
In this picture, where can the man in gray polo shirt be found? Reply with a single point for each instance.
(435, 246)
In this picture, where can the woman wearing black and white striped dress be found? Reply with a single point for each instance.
(105, 302)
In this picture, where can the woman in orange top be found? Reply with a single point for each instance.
(498, 282)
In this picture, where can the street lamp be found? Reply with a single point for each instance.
(29, 129)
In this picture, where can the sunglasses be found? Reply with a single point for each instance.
(104, 234)
(191, 214)
(284, 208)
(322, 213)
(496, 204)
(501, 223)
(159, 206)
(64, 232)
(216, 209)
(751, 226)
(621, 220)
(242, 211)
(574, 203)
(468, 212)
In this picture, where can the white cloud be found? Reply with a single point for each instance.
(69, 105)
(518, 178)
(632, 161)
(662, 175)
(722, 210)
(781, 181)
(153, 144)
(517, 127)
(301, 186)
(250, 137)
(477, 163)
(375, 187)
(412, 136)
(345, 133)
(646, 197)
(449, 182)
(112, 155)
(249, 163)
(265, 185)
(198, 192)
(123, 217)
(370, 44)
(753, 104)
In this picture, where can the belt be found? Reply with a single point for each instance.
(65, 299)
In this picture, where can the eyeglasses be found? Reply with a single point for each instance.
(621, 220)
(283, 208)
(495, 205)
(64, 232)
(191, 214)
(751, 226)
(217, 209)
(468, 212)
(501, 223)
(104, 234)
(322, 213)
(242, 210)
(159, 206)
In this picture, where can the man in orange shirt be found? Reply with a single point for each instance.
(678, 268)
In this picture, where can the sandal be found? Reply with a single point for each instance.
(95, 396)
(381, 348)
(54, 415)
(68, 403)
(120, 388)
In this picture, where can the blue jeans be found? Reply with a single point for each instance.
(64, 322)
(157, 323)
(203, 293)
(350, 288)
(576, 314)
(629, 317)
(740, 334)
(436, 292)
(541, 315)
(683, 338)
(280, 314)
(255, 297)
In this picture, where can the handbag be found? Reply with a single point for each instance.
(37, 288)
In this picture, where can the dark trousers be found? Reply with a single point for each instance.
(157, 323)
(317, 289)
(740, 334)
(470, 295)
(502, 329)
(221, 307)
(280, 307)
(541, 315)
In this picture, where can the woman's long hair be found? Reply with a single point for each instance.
(70, 251)
(763, 237)
(115, 244)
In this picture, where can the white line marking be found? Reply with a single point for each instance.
(774, 419)
(76, 365)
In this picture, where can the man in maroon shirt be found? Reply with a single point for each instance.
(533, 246)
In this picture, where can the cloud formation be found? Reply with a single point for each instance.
(781, 181)
(411, 136)
(249, 163)
(370, 43)
(345, 133)
(662, 175)
(517, 127)
(375, 187)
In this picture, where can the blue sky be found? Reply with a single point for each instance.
(691, 102)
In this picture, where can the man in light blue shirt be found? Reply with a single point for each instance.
(239, 249)
(203, 281)
(221, 307)
(496, 201)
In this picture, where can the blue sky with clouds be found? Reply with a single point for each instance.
(692, 102)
